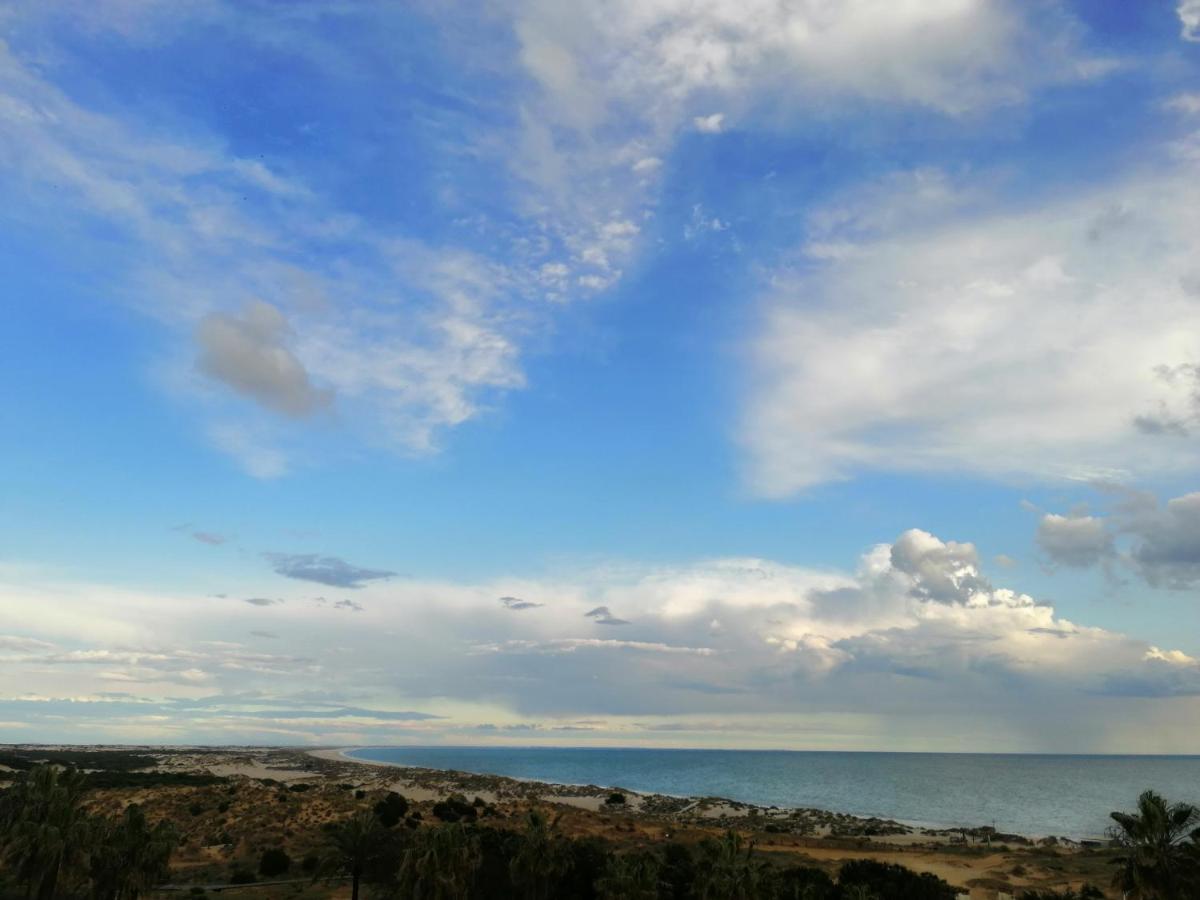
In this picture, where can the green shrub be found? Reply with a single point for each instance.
(454, 808)
(274, 862)
(391, 809)
(242, 875)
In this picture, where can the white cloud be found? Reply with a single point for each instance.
(999, 343)
(711, 124)
(1189, 19)
(415, 339)
(620, 85)
(1187, 104)
(950, 55)
(412, 338)
(917, 627)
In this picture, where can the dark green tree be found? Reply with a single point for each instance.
(274, 862)
(629, 876)
(391, 809)
(726, 870)
(44, 832)
(1087, 892)
(356, 847)
(541, 860)
(1159, 843)
(128, 856)
(438, 863)
(871, 878)
(803, 883)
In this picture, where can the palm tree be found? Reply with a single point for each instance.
(357, 843)
(541, 860)
(439, 864)
(129, 856)
(725, 872)
(1157, 864)
(629, 876)
(43, 829)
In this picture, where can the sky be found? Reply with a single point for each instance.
(641, 373)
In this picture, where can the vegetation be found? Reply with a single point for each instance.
(108, 760)
(455, 808)
(274, 862)
(54, 849)
(55, 843)
(455, 860)
(1161, 844)
(391, 809)
(358, 847)
(438, 864)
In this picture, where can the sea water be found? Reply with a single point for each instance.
(1034, 795)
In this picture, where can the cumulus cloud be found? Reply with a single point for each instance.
(712, 124)
(1166, 547)
(324, 569)
(943, 571)
(1158, 541)
(857, 657)
(929, 342)
(1078, 541)
(247, 352)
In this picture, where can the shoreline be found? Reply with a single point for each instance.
(923, 828)
(232, 801)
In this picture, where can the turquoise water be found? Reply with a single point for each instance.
(1027, 794)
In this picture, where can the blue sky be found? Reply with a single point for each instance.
(845, 358)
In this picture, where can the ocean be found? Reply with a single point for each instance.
(1033, 795)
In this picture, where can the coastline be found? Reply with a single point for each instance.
(585, 795)
(229, 801)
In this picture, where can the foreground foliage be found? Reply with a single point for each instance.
(1162, 850)
(456, 861)
(53, 849)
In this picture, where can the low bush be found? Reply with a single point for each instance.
(274, 862)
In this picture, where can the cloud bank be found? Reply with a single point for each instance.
(917, 647)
